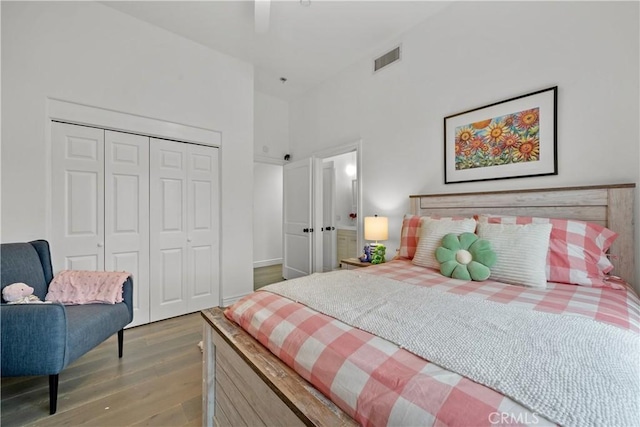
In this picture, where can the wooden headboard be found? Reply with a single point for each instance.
(608, 205)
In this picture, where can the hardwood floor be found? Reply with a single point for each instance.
(263, 276)
(157, 382)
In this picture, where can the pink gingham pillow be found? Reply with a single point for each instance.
(577, 249)
(409, 236)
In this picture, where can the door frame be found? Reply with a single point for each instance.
(337, 150)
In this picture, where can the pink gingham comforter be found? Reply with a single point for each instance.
(377, 383)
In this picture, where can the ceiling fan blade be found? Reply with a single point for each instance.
(262, 10)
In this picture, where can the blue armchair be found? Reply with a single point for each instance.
(42, 339)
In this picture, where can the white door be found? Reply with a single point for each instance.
(297, 219)
(329, 244)
(168, 228)
(127, 214)
(77, 156)
(203, 227)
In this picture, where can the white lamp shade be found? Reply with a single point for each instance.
(376, 228)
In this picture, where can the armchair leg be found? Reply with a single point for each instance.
(120, 342)
(53, 393)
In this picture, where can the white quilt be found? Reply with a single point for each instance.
(568, 368)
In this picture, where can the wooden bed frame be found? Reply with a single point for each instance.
(244, 384)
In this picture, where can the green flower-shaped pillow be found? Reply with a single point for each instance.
(466, 257)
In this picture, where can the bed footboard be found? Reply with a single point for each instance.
(245, 384)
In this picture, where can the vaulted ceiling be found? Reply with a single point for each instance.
(304, 41)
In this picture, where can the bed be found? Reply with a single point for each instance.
(244, 383)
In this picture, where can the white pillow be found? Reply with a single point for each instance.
(431, 233)
(521, 252)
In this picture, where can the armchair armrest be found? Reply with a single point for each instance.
(127, 296)
(33, 339)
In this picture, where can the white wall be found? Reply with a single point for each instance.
(472, 54)
(271, 128)
(89, 53)
(267, 214)
(271, 143)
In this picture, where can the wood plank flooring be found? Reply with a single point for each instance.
(263, 276)
(157, 382)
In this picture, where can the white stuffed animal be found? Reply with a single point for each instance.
(20, 293)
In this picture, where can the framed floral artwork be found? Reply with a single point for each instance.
(507, 139)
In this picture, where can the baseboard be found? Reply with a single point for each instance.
(226, 302)
(267, 262)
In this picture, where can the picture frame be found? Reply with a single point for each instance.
(514, 138)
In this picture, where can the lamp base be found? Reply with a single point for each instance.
(373, 253)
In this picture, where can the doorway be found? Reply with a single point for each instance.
(339, 209)
(347, 161)
(304, 216)
(267, 223)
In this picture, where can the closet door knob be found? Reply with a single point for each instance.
(188, 240)
(100, 244)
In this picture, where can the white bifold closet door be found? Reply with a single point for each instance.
(125, 202)
(77, 197)
(126, 214)
(184, 228)
(100, 205)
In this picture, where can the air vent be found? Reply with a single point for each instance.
(386, 59)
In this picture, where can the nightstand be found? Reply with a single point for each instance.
(353, 263)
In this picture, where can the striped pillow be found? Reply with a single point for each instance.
(521, 252)
(431, 233)
(577, 249)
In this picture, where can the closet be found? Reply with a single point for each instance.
(148, 206)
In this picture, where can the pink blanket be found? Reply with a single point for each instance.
(87, 287)
(378, 383)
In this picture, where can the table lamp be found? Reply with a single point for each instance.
(376, 228)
